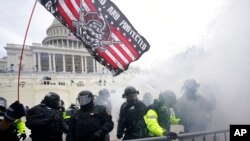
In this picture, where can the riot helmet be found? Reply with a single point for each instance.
(85, 97)
(73, 106)
(3, 103)
(52, 100)
(104, 93)
(190, 88)
(167, 98)
(130, 93)
(147, 98)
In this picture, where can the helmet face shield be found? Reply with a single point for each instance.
(84, 99)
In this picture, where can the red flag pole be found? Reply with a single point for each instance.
(21, 58)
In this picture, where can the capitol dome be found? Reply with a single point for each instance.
(58, 35)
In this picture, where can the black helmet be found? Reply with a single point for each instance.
(130, 91)
(3, 103)
(85, 97)
(168, 98)
(104, 93)
(147, 98)
(52, 100)
(190, 87)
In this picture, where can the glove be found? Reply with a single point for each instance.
(119, 135)
(15, 111)
(99, 135)
(22, 136)
(170, 135)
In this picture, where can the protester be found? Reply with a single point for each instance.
(11, 126)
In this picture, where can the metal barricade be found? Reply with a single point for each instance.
(218, 135)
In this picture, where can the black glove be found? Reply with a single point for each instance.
(119, 135)
(170, 135)
(22, 136)
(98, 136)
(15, 111)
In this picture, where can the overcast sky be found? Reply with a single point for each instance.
(170, 26)
(207, 40)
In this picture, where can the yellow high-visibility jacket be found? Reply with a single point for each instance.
(151, 120)
(20, 125)
(65, 116)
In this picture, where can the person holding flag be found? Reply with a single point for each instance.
(11, 126)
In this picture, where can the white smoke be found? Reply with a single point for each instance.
(220, 63)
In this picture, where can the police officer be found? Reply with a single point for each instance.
(11, 127)
(147, 99)
(45, 120)
(103, 99)
(73, 108)
(194, 109)
(159, 117)
(130, 123)
(91, 122)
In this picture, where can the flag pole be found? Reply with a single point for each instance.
(21, 58)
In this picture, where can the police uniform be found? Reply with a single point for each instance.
(90, 123)
(45, 123)
(45, 120)
(86, 122)
(131, 120)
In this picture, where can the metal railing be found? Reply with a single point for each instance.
(218, 135)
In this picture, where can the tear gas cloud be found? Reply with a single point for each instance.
(220, 64)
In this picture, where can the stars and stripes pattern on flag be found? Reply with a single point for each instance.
(103, 28)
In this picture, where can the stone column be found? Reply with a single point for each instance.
(39, 62)
(54, 62)
(85, 63)
(64, 67)
(73, 64)
(34, 62)
(82, 64)
(50, 66)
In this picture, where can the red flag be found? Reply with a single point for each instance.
(102, 27)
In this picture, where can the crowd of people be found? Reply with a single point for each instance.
(91, 118)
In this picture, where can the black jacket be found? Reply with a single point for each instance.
(9, 134)
(131, 120)
(90, 123)
(45, 123)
